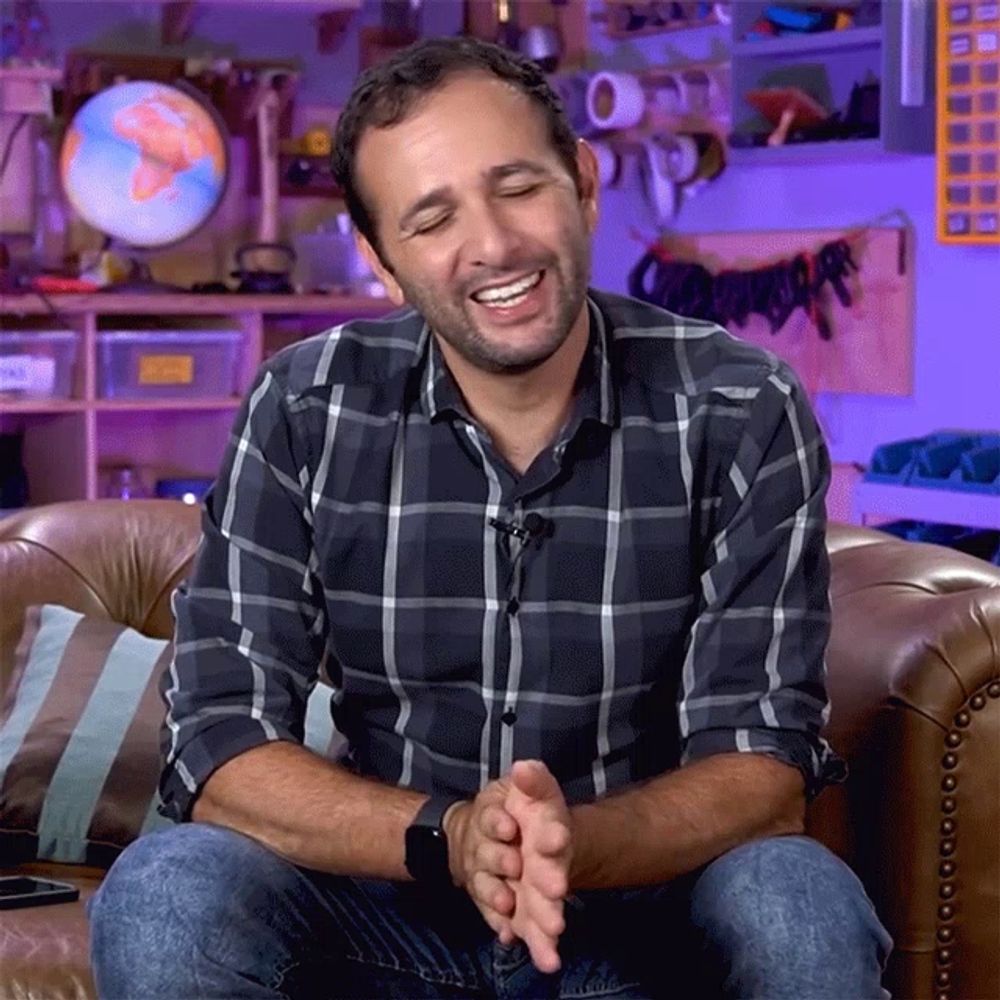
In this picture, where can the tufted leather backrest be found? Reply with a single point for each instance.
(113, 558)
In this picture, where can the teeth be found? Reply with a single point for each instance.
(515, 290)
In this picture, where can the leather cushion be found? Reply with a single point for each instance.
(46, 949)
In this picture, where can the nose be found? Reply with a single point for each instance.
(492, 239)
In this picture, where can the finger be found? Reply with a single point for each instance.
(498, 824)
(546, 914)
(553, 839)
(542, 949)
(492, 893)
(498, 924)
(506, 935)
(546, 876)
(498, 859)
(535, 780)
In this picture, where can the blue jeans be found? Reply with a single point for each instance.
(201, 911)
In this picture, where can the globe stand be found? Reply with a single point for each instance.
(140, 278)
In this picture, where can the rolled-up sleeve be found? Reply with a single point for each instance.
(754, 676)
(250, 622)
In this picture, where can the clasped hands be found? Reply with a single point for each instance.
(510, 848)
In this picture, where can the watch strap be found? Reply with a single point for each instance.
(431, 813)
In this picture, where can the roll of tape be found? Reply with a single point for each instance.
(658, 187)
(681, 161)
(615, 100)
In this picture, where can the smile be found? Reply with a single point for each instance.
(507, 296)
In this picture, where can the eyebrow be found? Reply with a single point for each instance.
(443, 196)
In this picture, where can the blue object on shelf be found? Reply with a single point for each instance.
(794, 20)
(981, 466)
(892, 463)
(951, 460)
(191, 489)
(982, 543)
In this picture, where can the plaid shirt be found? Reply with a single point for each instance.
(676, 606)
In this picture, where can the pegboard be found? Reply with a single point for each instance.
(968, 121)
(870, 349)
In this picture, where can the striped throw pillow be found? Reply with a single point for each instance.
(79, 739)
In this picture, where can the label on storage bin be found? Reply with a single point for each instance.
(27, 373)
(166, 369)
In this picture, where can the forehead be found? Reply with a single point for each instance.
(451, 137)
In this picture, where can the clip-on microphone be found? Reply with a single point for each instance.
(534, 527)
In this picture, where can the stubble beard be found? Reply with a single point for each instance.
(453, 322)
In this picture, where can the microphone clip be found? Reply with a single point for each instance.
(533, 528)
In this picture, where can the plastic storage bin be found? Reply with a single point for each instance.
(37, 364)
(947, 460)
(984, 543)
(159, 364)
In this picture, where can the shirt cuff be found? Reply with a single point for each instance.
(203, 754)
(811, 755)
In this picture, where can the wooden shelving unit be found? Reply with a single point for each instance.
(874, 502)
(821, 41)
(70, 444)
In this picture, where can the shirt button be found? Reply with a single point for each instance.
(509, 717)
(512, 605)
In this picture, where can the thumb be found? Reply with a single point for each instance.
(534, 779)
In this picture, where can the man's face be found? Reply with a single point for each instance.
(480, 223)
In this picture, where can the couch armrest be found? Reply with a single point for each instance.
(914, 678)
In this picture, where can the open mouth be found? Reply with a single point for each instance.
(510, 295)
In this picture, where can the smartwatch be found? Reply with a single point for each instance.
(427, 843)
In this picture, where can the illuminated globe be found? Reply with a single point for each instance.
(145, 163)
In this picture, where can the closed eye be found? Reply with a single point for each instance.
(516, 192)
(431, 226)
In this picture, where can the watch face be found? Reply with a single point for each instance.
(427, 854)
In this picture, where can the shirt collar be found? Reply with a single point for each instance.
(596, 398)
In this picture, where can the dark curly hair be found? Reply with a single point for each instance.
(384, 95)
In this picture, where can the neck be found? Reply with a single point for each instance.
(523, 412)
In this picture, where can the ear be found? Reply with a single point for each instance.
(381, 272)
(590, 185)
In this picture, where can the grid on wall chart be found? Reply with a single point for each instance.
(968, 121)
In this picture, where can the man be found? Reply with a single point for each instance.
(563, 556)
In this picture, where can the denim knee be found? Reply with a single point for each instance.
(160, 875)
(176, 904)
(785, 916)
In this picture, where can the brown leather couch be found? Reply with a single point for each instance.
(914, 680)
